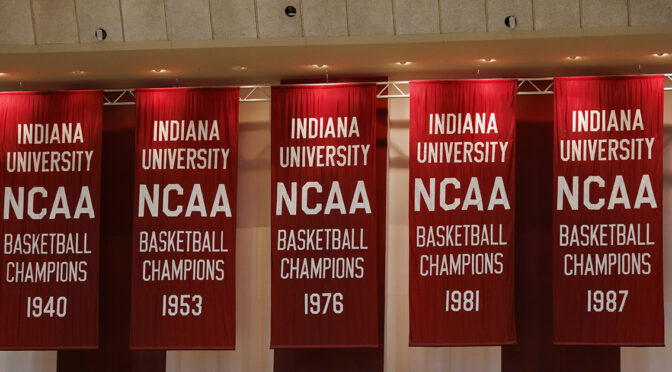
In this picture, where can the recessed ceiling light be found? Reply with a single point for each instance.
(403, 63)
(317, 65)
(159, 70)
(663, 54)
(79, 72)
(239, 68)
(488, 60)
(574, 58)
(2, 74)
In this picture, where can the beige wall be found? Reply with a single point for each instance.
(33, 361)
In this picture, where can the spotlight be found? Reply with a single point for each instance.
(317, 65)
(573, 58)
(403, 63)
(290, 11)
(159, 70)
(101, 34)
(511, 22)
(662, 54)
(239, 68)
(488, 60)
(79, 72)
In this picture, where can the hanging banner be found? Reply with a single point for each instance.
(461, 212)
(323, 216)
(607, 220)
(184, 232)
(50, 187)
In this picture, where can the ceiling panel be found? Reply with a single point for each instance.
(92, 14)
(462, 16)
(144, 20)
(416, 16)
(55, 21)
(233, 19)
(188, 20)
(324, 18)
(604, 13)
(371, 17)
(17, 23)
(556, 14)
(498, 10)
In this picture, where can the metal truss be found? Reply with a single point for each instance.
(528, 87)
(400, 89)
(393, 89)
(248, 93)
(387, 89)
(118, 97)
(255, 93)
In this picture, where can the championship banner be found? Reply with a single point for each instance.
(607, 219)
(184, 232)
(323, 216)
(461, 212)
(50, 187)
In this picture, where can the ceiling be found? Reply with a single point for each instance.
(205, 64)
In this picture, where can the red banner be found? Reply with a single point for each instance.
(323, 216)
(607, 220)
(184, 237)
(50, 227)
(461, 212)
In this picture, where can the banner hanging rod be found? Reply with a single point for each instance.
(388, 89)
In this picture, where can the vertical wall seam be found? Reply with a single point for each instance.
(303, 32)
(165, 18)
(534, 23)
(581, 14)
(394, 19)
(79, 38)
(121, 18)
(629, 11)
(32, 17)
(438, 6)
(256, 18)
(487, 17)
(347, 19)
(212, 21)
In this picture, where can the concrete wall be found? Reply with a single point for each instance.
(27, 22)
